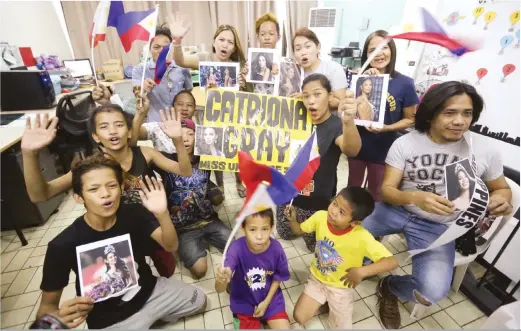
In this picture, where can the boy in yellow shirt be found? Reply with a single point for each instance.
(342, 244)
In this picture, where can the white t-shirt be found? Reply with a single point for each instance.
(333, 71)
(423, 164)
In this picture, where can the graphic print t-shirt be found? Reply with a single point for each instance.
(423, 164)
(60, 259)
(335, 252)
(187, 200)
(253, 275)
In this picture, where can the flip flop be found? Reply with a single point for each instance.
(241, 190)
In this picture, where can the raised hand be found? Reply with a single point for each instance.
(40, 134)
(372, 72)
(179, 26)
(241, 78)
(101, 94)
(153, 195)
(171, 123)
(290, 213)
(148, 85)
(142, 105)
(347, 107)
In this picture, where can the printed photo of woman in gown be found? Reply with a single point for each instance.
(365, 109)
(460, 184)
(289, 80)
(114, 278)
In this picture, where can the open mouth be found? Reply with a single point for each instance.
(108, 204)
(313, 111)
(224, 53)
(304, 60)
(379, 61)
(114, 140)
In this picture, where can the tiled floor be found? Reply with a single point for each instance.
(21, 274)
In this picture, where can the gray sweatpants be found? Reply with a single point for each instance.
(171, 300)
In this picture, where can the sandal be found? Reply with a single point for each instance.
(241, 190)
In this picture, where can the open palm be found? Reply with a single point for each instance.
(178, 25)
(171, 123)
(153, 195)
(39, 134)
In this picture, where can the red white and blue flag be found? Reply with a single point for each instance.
(161, 64)
(265, 188)
(434, 34)
(107, 14)
(136, 25)
(303, 168)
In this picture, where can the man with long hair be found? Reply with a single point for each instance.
(413, 194)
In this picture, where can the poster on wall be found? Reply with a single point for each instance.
(493, 69)
(269, 128)
(370, 93)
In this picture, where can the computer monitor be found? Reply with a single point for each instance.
(79, 68)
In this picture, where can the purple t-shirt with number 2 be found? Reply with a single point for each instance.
(253, 275)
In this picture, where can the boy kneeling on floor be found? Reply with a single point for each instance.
(342, 244)
(97, 183)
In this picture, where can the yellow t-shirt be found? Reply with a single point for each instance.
(334, 253)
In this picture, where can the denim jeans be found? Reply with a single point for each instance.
(431, 270)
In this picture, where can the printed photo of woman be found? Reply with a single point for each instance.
(261, 67)
(107, 271)
(460, 183)
(289, 79)
(209, 141)
(365, 109)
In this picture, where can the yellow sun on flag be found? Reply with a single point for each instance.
(261, 207)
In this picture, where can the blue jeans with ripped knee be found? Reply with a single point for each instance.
(431, 270)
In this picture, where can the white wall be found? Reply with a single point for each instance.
(34, 24)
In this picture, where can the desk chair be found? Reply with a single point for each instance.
(73, 138)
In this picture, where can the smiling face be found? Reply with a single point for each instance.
(111, 130)
(316, 100)
(157, 45)
(463, 180)
(383, 58)
(453, 121)
(306, 51)
(224, 45)
(111, 259)
(367, 86)
(100, 192)
(268, 36)
(262, 62)
(209, 136)
(257, 230)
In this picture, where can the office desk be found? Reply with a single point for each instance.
(11, 135)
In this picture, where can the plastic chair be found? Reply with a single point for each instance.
(461, 263)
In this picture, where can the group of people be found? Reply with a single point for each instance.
(175, 213)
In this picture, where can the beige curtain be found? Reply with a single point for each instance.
(78, 17)
(297, 15)
(205, 17)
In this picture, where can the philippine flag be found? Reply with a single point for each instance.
(136, 25)
(434, 34)
(305, 164)
(280, 189)
(161, 64)
(107, 14)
